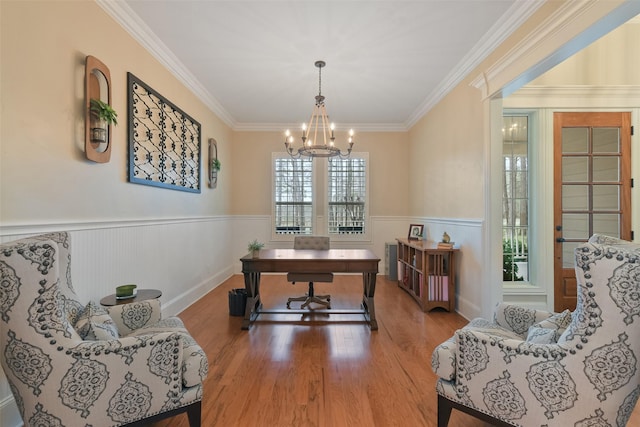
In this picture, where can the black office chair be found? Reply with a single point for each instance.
(311, 242)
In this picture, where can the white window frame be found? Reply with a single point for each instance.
(320, 201)
(314, 222)
(366, 236)
(529, 172)
(538, 174)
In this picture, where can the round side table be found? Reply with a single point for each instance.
(141, 295)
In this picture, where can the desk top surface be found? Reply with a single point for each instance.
(312, 254)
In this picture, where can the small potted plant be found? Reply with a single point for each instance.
(102, 115)
(254, 248)
(215, 165)
(213, 172)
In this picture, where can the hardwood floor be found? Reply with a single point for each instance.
(319, 370)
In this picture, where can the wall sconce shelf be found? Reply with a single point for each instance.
(97, 107)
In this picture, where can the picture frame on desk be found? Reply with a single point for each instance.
(415, 232)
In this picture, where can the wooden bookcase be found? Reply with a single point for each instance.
(427, 273)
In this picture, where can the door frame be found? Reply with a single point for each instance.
(544, 102)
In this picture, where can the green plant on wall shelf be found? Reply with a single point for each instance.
(102, 116)
(215, 165)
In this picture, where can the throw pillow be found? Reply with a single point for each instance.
(557, 322)
(94, 323)
(539, 335)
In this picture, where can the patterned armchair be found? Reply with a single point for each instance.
(71, 365)
(532, 368)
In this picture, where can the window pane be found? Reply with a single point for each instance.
(521, 189)
(606, 140)
(605, 169)
(515, 199)
(575, 226)
(293, 196)
(607, 224)
(346, 195)
(575, 197)
(568, 254)
(575, 140)
(521, 212)
(606, 197)
(575, 169)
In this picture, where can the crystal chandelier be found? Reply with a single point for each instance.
(318, 128)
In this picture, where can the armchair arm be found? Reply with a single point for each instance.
(503, 377)
(517, 318)
(129, 317)
(123, 380)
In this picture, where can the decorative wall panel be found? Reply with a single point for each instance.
(164, 141)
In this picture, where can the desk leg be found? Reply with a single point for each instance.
(369, 282)
(252, 309)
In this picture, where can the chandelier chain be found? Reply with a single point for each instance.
(319, 81)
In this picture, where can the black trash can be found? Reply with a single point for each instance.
(237, 301)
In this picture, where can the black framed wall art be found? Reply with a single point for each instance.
(164, 141)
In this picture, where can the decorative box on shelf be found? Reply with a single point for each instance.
(418, 259)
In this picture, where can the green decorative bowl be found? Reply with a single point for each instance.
(125, 291)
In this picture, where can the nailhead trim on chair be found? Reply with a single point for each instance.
(50, 324)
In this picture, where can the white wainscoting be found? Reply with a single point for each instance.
(187, 257)
(184, 258)
(470, 286)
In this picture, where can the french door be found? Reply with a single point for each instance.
(592, 188)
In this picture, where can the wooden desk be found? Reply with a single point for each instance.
(310, 261)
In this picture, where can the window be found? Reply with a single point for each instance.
(515, 199)
(293, 194)
(347, 194)
(296, 210)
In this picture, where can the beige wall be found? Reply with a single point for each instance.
(447, 145)
(388, 177)
(44, 176)
(611, 60)
(121, 232)
(447, 160)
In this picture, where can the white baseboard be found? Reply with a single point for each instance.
(182, 302)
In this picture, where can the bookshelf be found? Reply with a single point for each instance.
(427, 273)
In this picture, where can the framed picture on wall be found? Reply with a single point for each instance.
(415, 231)
(164, 141)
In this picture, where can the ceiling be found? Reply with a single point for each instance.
(388, 62)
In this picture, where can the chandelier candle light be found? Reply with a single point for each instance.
(318, 124)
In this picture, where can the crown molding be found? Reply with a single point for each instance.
(576, 96)
(517, 14)
(564, 31)
(141, 32)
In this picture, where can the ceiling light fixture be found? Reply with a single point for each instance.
(318, 127)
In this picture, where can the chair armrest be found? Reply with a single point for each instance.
(133, 377)
(517, 318)
(129, 317)
(487, 366)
